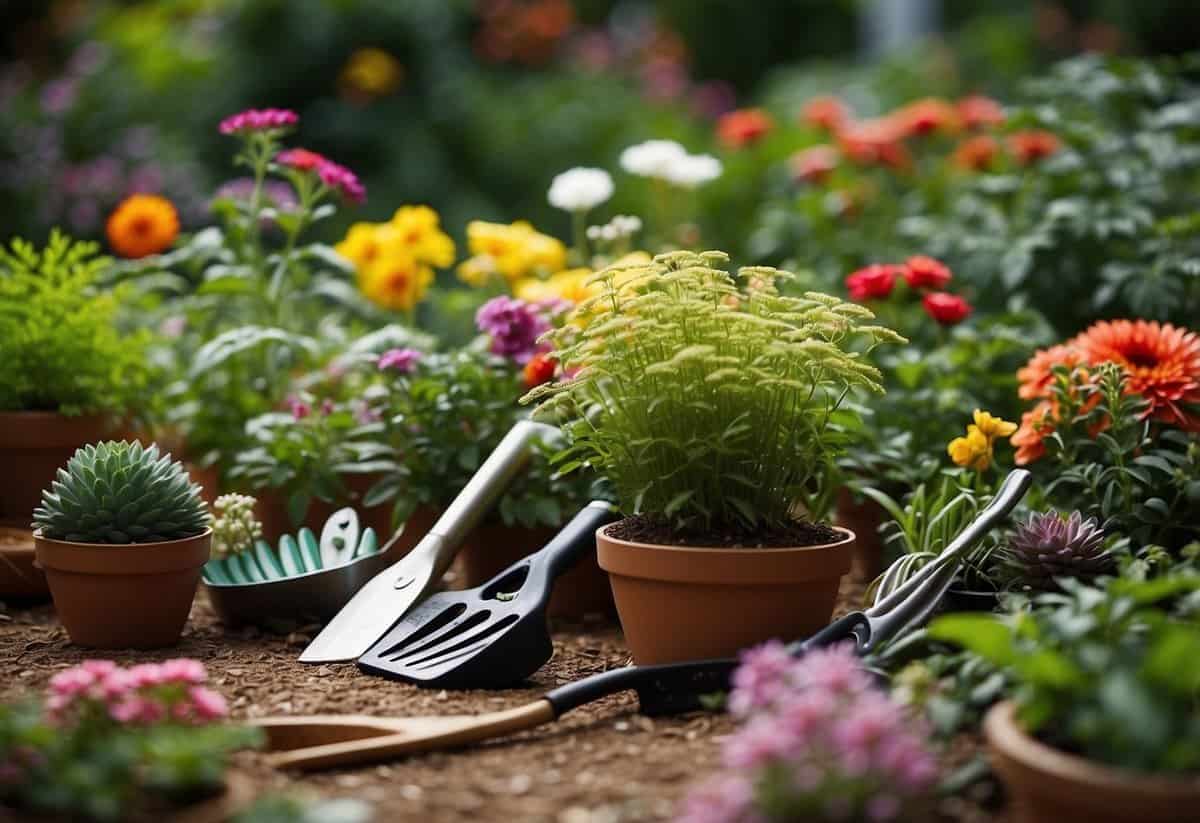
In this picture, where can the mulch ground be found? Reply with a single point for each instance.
(602, 763)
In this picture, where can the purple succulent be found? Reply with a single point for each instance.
(514, 327)
(1049, 546)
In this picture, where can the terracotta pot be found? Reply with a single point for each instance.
(134, 596)
(1047, 785)
(493, 547)
(683, 603)
(20, 580)
(33, 446)
(272, 511)
(863, 517)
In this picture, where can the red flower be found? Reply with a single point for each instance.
(976, 153)
(1031, 146)
(300, 159)
(871, 283)
(876, 142)
(947, 309)
(827, 113)
(977, 111)
(927, 116)
(921, 272)
(814, 165)
(539, 370)
(743, 127)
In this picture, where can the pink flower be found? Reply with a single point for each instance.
(183, 670)
(299, 408)
(514, 327)
(400, 360)
(255, 120)
(126, 711)
(146, 674)
(759, 679)
(71, 682)
(343, 181)
(726, 799)
(208, 704)
(301, 159)
(831, 670)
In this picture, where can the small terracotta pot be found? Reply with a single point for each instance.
(134, 596)
(33, 446)
(1047, 785)
(20, 580)
(683, 603)
(272, 511)
(863, 517)
(494, 547)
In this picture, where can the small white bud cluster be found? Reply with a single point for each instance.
(670, 161)
(234, 526)
(619, 228)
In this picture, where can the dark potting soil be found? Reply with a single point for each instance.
(799, 533)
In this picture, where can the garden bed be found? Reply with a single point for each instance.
(602, 762)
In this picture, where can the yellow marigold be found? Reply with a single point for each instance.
(367, 243)
(515, 251)
(973, 451)
(477, 270)
(571, 285)
(420, 232)
(143, 224)
(397, 281)
(992, 427)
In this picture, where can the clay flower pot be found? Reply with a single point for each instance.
(20, 580)
(134, 596)
(863, 517)
(33, 446)
(1047, 785)
(492, 547)
(683, 603)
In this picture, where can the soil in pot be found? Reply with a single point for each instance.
(21, 582)
(863, 516)
(33, 446)
(689, 602)
(492, 547)
(134, 596)
(1047, 785)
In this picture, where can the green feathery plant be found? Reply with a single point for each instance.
(60, 348)
(706, 403)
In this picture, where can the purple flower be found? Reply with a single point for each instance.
(254, 120)
(513, 326)
(401, 360)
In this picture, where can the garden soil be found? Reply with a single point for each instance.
(602, 763)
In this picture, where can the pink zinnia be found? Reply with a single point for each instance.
(184, 670)
(252, 120)
(401, 360)
(342, 180)
(207, 704)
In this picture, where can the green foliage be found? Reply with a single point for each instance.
(60, 346)
(436, 426)
(1109, 461)
(120, 492)
(707, 404)
(1102, 672)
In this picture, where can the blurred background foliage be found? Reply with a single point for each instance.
(472, 106)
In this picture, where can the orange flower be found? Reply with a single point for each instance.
(827, 113)
(976, 153)
(539, 370)
(1037, 375)
(1162, 362)
(143, 224)
(1033, 145)
(876, 142)
(977, 111)
(743, 127)
(815, 164)
(927, 116)
(1029, 439)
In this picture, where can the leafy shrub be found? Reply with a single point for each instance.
(60, 346)
(705, 403)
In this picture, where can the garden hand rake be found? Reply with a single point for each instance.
(326, 741)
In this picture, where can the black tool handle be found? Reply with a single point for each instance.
(572, 541)
(674, 688)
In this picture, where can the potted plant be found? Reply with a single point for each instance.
(68, 376)
(122, 535)
(124, 744)
(1103, 723)
(710, 408)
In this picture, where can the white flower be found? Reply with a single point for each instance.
(693, 170)
(580, 189)
(652, 158)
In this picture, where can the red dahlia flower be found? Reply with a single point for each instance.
(872, 282)
(921, 272)
(947, 309)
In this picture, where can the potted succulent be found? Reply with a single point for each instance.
(710, 408)
(67, 375)
(1103, 722)
(109, 743)
(122, 535)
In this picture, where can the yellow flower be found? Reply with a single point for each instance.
(477, 270)
(571, 285)
(419, 231)
(397, 281)
(371, 72)
(515, 251)
(993, 427)
(973, 451)
(367, 243)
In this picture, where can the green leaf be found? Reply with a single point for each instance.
(985, 635)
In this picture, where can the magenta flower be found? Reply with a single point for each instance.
(183, 670)
(298, 408)
(256, 120)
(343, 181)
(400, 360)
(513, 326)
(144, 695)
(301, 159)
